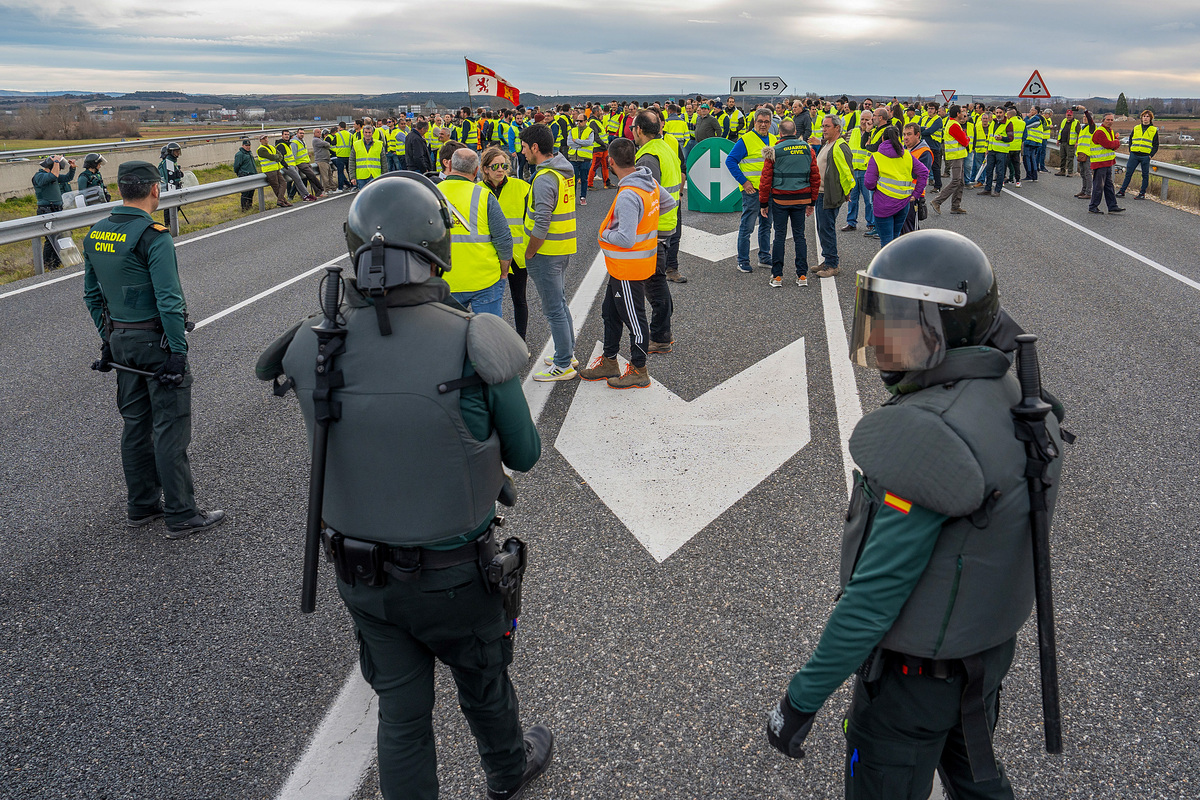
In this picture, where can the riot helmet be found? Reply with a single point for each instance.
(172, 149)
(93, 161)
(925, 293)
(47, 163)
(397, 228)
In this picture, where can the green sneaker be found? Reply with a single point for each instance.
(556, 374)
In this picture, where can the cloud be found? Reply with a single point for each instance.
(703, 21)
(1175, 26)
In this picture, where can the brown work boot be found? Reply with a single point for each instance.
(601, 368)
(633, 378)
(660, 347)
(674, 277)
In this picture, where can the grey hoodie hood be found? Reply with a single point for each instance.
(640, 178)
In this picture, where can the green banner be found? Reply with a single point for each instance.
(711, 187)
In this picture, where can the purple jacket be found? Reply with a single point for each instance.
(885, 206)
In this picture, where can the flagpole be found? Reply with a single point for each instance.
(470, 101)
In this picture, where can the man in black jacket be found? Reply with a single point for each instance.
(416, 150)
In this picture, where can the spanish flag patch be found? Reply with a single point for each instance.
(901, 505)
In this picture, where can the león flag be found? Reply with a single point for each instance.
(482, 81)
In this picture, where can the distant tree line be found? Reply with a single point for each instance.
(60, 120)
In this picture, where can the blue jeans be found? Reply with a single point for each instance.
(1041, 157)
(780, 215)
(395, 162)
(361, 183)
(581, 172)
(1137, 160)
(859, 191)
(1030, 155)
(547, 273)
(749, 216)
(489, 300)
(340, 163)
(889, 227)
(975, 162)
(993, 171)
(826, 231)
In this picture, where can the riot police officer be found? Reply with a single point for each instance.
(169, 171)
(131, 288)
(430, 406)
(91, 174)
(936, 565)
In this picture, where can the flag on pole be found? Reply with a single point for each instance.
(482, 81)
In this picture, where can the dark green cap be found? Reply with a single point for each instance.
(137, 172)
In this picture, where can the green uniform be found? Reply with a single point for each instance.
(48, 190)
(130, 269)
(169, 173)
(937, 578)
(438, 495)
(88, 179)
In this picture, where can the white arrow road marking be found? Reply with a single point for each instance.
(710, 246)
(666, 467)
(703, 174)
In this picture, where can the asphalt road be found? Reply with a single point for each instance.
(139, 667)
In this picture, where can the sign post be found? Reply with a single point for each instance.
(757, 85)
(711, 188)
(1035, 88)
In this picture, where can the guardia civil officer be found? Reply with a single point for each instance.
(91, 174)
(937, 566)
(170, 174)
(430, 407)
(49, 183)
(131, 288)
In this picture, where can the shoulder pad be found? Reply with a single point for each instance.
(158, 226)
(912, 452)
(270, 363)
(496, 351)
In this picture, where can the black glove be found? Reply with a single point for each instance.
(172, 370)
(787, 728)
(105, 362)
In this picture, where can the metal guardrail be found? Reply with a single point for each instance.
(1159, 169)
(132, 144)
(19, 230)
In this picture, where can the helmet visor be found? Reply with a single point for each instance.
(897, 325)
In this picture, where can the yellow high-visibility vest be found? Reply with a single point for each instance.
(1073, 125)
(678, 128)
(1018, 129)
(266, 164)
(861, 153)
(1142, 139)
(512, 199)
(560, 239)
(342, 141)
(954, 150)
(752, 164)
(302, 156)
(996, 143)
(581, 143)
(672, 177)
(472, 254)
(396, 141)
(979, 135)
(895, 175)
(367, 160)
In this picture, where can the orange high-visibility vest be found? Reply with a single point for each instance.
(636, 263)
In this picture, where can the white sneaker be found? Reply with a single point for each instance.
(556, 374)
(549, 362)
(776, 283)
(802, 280)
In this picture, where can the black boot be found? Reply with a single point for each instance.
(539, 751)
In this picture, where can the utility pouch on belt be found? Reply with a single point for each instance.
(355, 559)
(505, 573)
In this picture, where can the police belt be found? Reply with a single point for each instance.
(369, 562)
(149, 325)
(976, 732)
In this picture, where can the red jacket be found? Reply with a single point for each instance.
(1104, 141)
(802, 197)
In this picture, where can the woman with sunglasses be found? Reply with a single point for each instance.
(511, 192)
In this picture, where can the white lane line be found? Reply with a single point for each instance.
(261, 295)
(1131, 253)
(180, 243)
(537, 392)
(845, 386)
(40, 285)
(343, 748)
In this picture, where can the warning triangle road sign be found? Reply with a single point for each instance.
(948, 94)
(1035, 87)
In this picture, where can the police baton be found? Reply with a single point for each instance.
(1040, 450)
(98, 365)
(331, 340)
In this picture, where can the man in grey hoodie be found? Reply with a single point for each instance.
(624, 300)
(550, 237)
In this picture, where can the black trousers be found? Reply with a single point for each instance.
(658, 292)
(625, 306)
(518, 281)
(935, 174)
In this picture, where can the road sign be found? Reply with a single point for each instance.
(690, 461)
(949, 94)
(772, 85)
(711, 187)
(1035, 88)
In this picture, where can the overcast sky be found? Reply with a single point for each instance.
(880, 47)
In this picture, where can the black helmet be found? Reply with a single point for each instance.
(47, 163)
(398, 226)
(93, 160)
(925, 293)
(172, 148)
